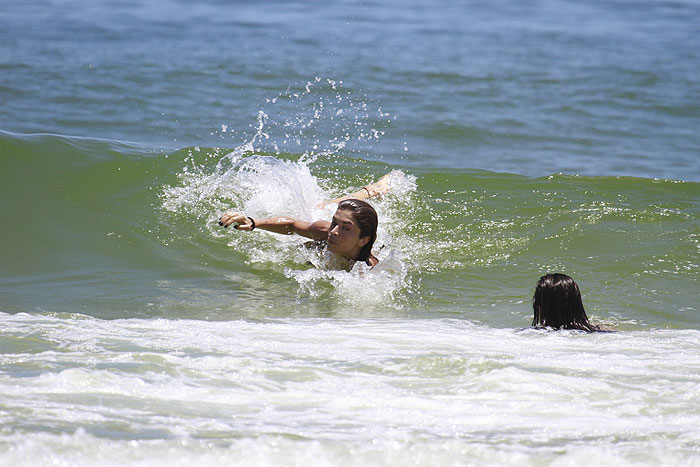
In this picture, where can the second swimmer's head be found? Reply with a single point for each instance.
(557, 304)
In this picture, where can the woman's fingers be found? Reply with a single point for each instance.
(244, 224)
(233, 217)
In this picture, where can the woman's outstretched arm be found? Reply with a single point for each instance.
(317, 230)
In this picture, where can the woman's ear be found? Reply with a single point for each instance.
(363, 241)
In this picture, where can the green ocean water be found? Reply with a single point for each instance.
(97, 229)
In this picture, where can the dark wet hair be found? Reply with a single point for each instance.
(557, 304)
(365, 218)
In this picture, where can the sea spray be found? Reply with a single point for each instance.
(258, 179)
(264, 186)
(320, 116)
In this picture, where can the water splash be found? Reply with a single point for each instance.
(261, 181)
(363, 288)
(321, 116)
(265, 186)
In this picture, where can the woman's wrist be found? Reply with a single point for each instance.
(252, 223)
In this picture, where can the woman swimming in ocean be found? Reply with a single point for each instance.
(349, 236)
(557, 304)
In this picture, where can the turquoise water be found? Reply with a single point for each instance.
(521, 139)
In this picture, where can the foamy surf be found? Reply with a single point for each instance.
(348, 391)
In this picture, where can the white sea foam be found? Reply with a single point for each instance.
(343, 392)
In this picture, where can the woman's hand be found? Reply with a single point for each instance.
(232, 217)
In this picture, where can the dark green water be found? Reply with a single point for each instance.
(98, 228)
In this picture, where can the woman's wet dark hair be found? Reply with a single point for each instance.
(557, 304)
(366, 219)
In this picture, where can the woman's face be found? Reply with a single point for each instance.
(344, 235)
